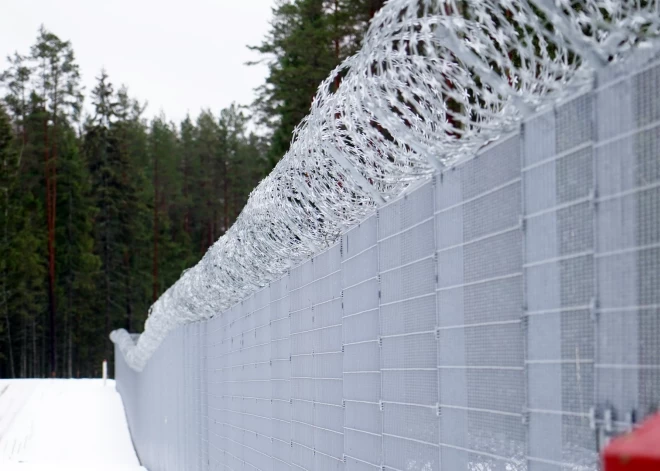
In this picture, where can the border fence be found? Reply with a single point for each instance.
(433, 82)
(502, 315)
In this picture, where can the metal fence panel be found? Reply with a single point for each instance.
(627, 259)
(558, 202)
(361, 359)
(481, 357)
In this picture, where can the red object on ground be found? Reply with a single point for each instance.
(636, 451)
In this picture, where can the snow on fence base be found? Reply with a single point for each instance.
(501, 315)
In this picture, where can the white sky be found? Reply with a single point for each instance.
(179, 55)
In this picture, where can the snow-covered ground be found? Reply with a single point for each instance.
(63, 425)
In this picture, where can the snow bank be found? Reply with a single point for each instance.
(63, 425)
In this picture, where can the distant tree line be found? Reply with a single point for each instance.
(100, 212)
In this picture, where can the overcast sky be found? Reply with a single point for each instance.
(179, 55)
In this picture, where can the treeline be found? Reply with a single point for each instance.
(100, 212)
(100, 215)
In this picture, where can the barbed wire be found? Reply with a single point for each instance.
(434, 82)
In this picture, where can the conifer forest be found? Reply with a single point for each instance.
(102, 207)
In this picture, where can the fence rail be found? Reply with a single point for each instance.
(503, 315)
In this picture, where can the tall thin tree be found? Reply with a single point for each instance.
(62, 99)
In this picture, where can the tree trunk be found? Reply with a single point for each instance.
(53, 222)
(186, 215)
(24, 366)
(106, 278)
(70, 355)
(127, 292)
(9, 339)
(155, 261)
(50, 216)
(35, 352)
(5, 300)
(226, 196)
(43, 364)
(210, 207)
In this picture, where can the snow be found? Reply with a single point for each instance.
(64, 425)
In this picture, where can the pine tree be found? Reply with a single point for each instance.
(9, 166)
(59, 89)
(188, 171)
(242, 164)
(300, 55)
(163, 151)
(22, 270)
(77, 264)
(112, 138)
(17, 80)
(130, 134)
(101, 154)
(308, 39)
(207, 150)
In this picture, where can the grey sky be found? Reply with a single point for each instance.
(179, 55)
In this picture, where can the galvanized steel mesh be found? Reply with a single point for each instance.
(434, 81)
(503, 314)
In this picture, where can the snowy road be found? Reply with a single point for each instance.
(63, 425)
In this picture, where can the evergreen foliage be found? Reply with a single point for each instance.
(307, 40)
(100, 214)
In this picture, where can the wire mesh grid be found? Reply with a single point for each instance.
(628, 247)
(559, 215)
(480, 355)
